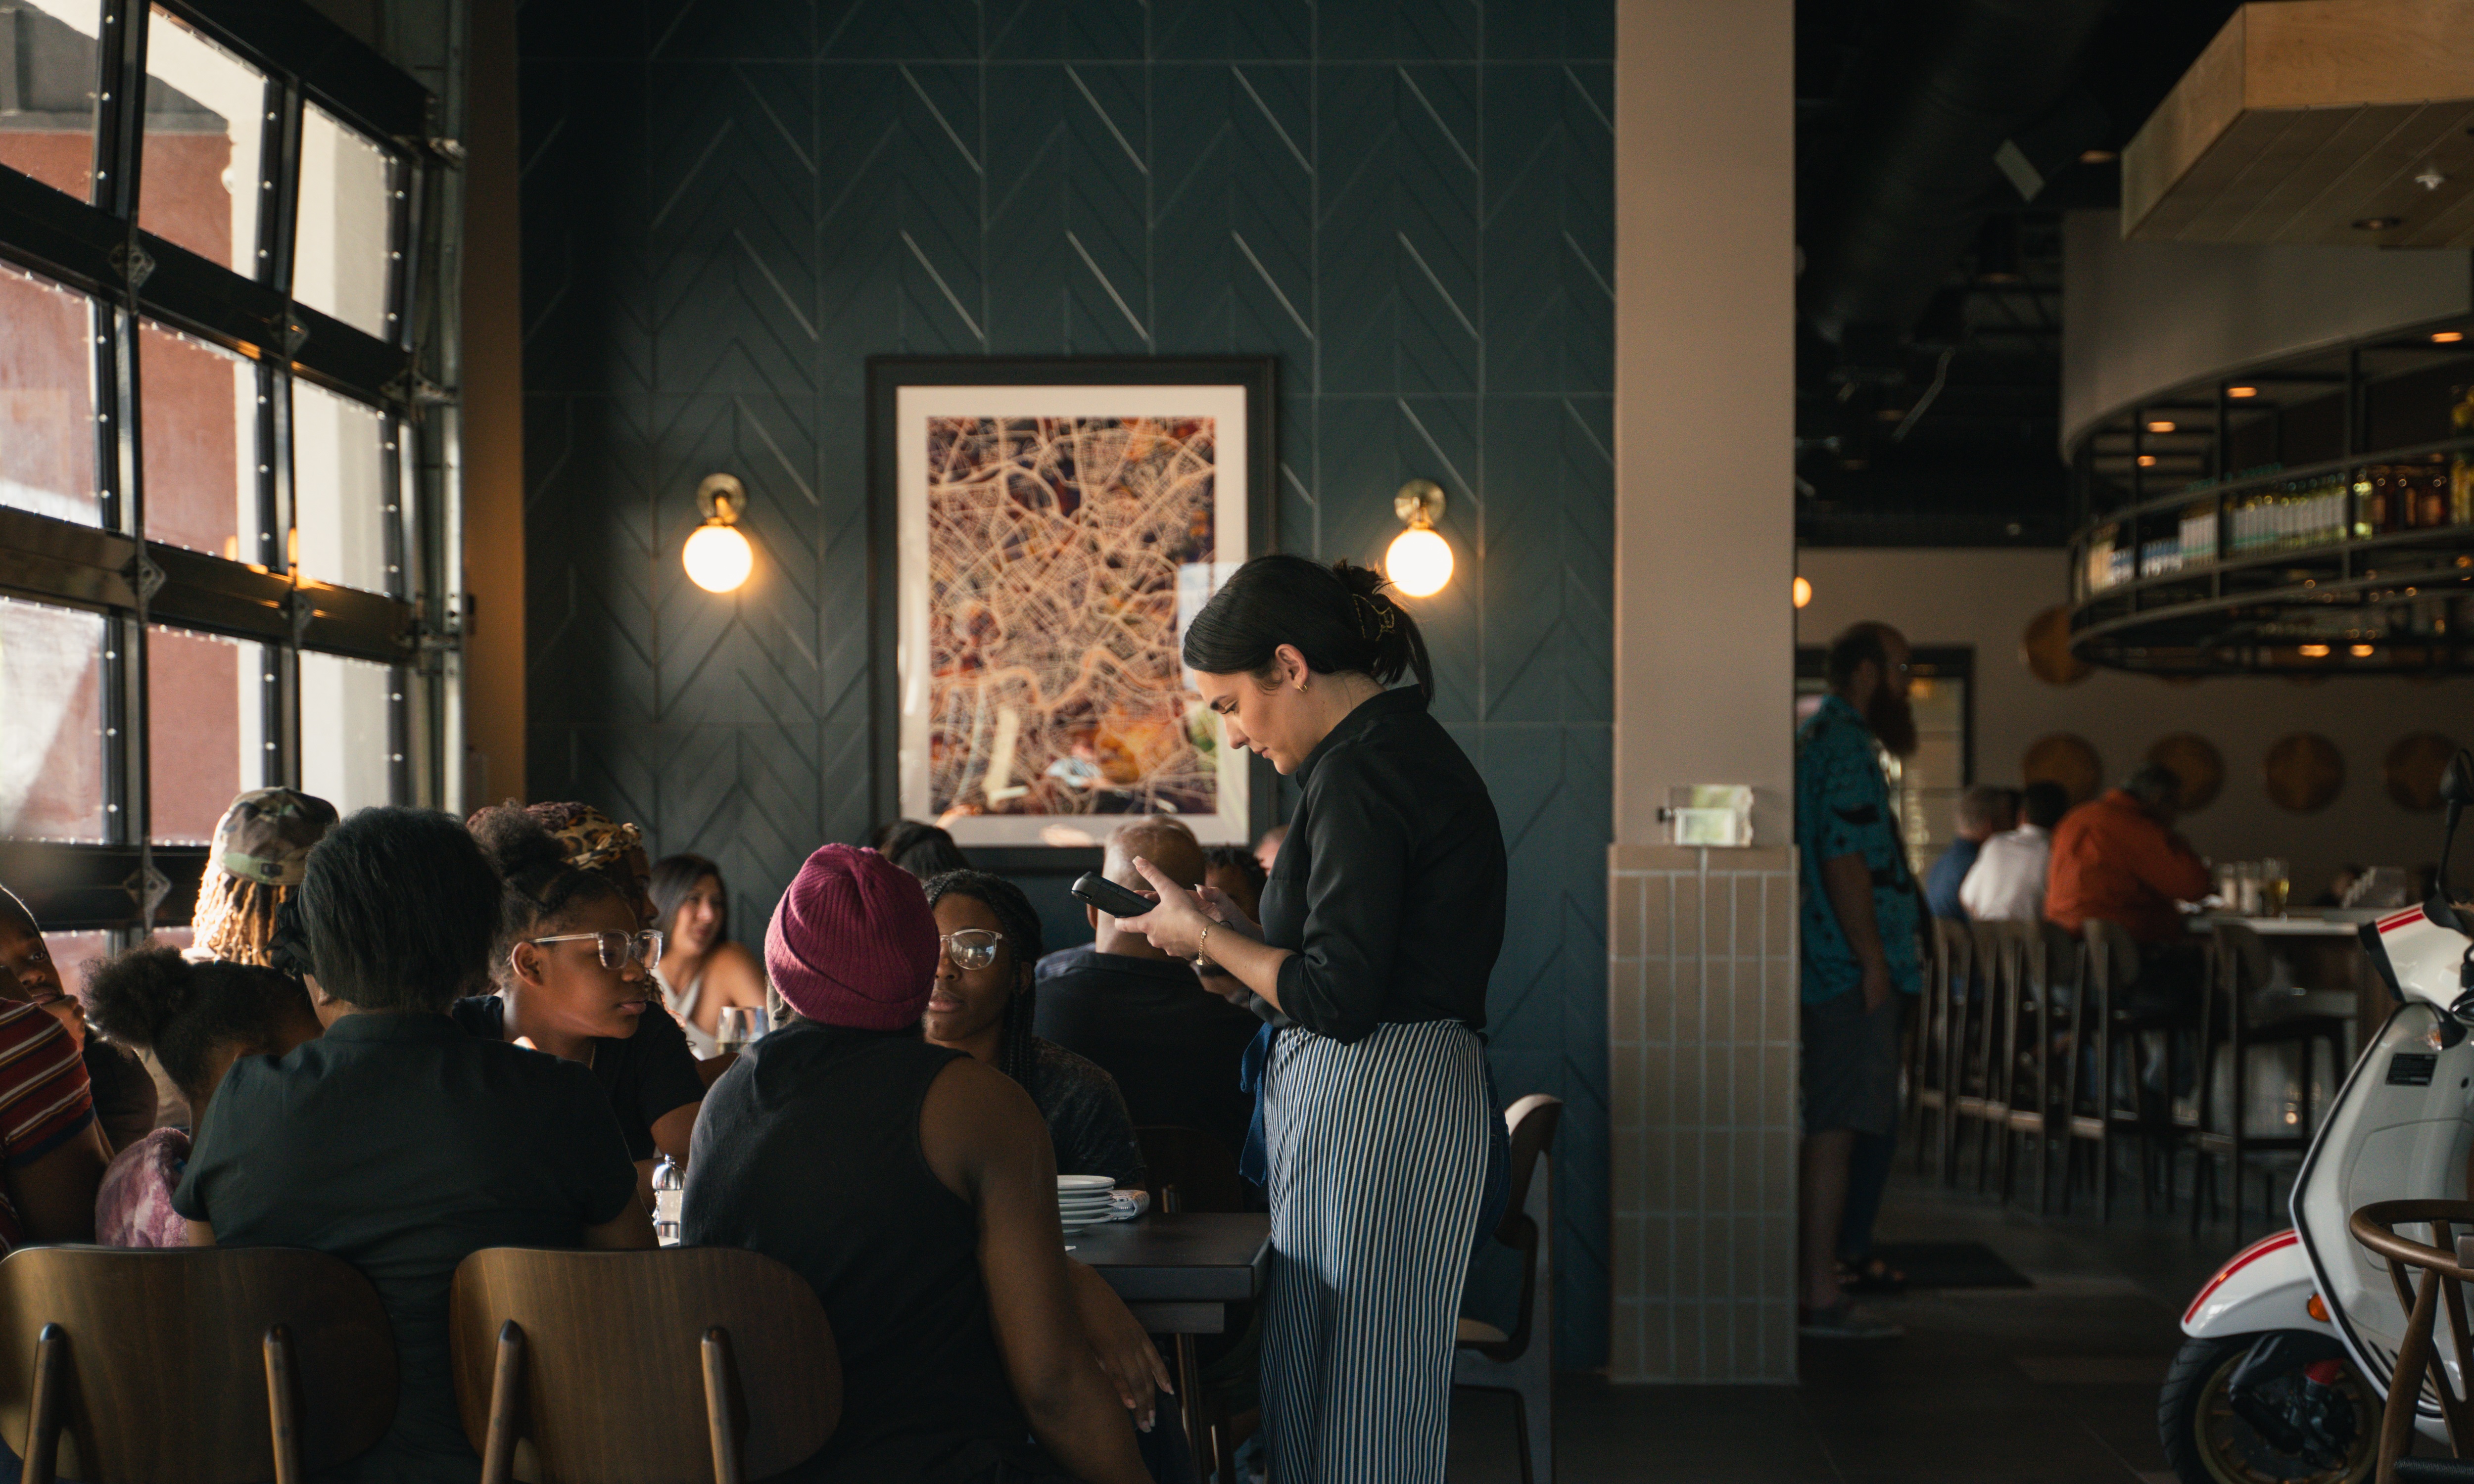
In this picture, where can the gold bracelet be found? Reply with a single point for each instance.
(1203, 943)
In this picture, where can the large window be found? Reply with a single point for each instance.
(214, 571)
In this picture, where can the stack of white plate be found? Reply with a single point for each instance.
(1085, 1200)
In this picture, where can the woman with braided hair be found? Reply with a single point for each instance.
(981, 1003)
(1381, 921)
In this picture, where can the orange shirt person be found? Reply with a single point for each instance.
(2117, 859)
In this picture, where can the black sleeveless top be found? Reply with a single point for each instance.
(807, 1151)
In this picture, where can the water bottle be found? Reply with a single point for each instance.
(669, 1188)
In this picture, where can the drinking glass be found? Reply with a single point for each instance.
(740, 1024)
(2275, 885)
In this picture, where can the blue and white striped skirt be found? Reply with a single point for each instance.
(1378, 1152)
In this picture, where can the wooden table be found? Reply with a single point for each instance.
(1180, 1274)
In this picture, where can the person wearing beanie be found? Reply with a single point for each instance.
(882, 1168)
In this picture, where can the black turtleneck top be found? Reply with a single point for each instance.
(1388, 888)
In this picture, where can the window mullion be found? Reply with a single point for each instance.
(120, 107)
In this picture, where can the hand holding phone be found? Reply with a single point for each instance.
(1098, 891)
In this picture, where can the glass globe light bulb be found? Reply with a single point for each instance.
(1420, 561)
(718, 559)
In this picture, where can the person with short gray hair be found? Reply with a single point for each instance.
(1984, 811)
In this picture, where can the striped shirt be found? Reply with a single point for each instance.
(45, 1097)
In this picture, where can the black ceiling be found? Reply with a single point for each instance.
(1929, 338)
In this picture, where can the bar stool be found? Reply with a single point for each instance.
(1999, 984)
(2112, 971)
(2075, 1029)
(2240, 969)
(2417, 1357)
(1522, 1362)
(2038, 1100)
(1934, 1068)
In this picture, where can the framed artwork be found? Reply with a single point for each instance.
(1041, 533)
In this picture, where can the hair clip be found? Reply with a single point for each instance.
(1381, 614)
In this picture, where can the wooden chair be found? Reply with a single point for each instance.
(196, 1365)
(639, 1367)
(1933, 1075)
(2240, 971)
(2444, 1273)
(1522, 1360)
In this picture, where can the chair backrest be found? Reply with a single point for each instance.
(613, 1387)
(1531, 1122)
(167, 1368)
(1202, 1168)
(1953, 954)
(2112, 957)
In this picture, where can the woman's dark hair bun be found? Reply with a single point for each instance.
(131, 996)
(1341, 617)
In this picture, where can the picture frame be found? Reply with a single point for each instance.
(1040, 529)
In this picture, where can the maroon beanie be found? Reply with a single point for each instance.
(853, 941)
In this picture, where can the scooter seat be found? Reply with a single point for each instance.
(2435, 1471)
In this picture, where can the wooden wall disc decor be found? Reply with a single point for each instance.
(2303, 770)
(2413, 768)
(2066, 759)
(2046, 646)
(2197, 762)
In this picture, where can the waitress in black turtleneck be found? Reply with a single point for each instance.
(1381, 921)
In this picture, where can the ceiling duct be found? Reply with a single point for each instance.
(1931, 110)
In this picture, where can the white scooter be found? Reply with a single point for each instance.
(2292, 1344)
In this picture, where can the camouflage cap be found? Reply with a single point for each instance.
(266, 834)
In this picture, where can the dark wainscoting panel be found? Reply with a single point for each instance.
(729, 204)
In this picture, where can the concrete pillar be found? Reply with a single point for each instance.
(1702, 942)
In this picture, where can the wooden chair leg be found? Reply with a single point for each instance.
(506, 1400)
(721, 1404)
(43, 1412)
(2414, 1356)
(283, 1405)
(1188, 1368)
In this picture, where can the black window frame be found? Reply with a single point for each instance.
(129, 884)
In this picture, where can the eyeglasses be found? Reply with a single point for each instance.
(617, 949)
(973, 947)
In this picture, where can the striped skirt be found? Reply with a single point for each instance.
(1378, 1155)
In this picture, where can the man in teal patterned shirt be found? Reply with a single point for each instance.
(1858, 927)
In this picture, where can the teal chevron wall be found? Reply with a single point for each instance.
(730, 203)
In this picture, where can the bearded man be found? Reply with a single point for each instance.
(1860, 953)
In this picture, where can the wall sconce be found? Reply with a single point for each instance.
(718, 557)
(1802, 591)
(1420, 561)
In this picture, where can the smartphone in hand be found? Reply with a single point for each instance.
(1098, 891)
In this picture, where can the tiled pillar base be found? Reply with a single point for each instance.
(1702, 1036)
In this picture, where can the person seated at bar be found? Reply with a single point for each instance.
(2117, 859)
(703, 971)
(396, 1142)
(914, 1189)
(923, 849)
(52, 1150)
(197, 1016)
(572, 976)
(593, 841)
(119, 1089)
(2007, 884)
(1984, 811)
(985, 1001)
(1134, 1011)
